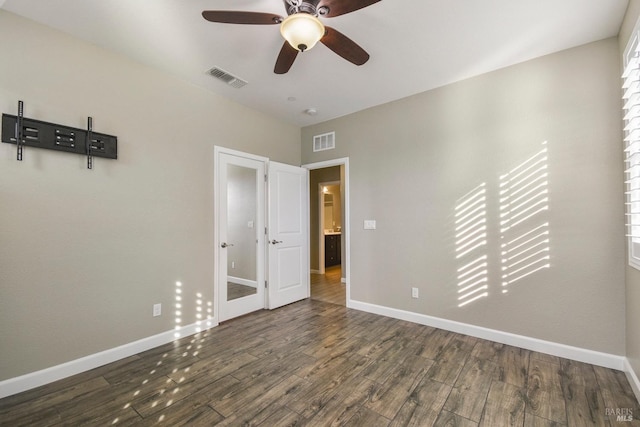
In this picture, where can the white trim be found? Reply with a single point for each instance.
(312, 271)
(561, 350)
(633, 378)
(346, 221)
(45, 376)
(243, 282)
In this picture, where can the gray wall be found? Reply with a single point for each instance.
(413, 161)
(632, 275)
(85, 254)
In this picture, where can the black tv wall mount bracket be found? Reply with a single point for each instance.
(26, 132)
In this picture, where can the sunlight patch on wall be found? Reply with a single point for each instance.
(471, 245)
(178, 312)
(524, 228)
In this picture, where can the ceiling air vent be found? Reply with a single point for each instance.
(226, 77)
(326, 141)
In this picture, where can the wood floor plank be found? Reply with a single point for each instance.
(467, 404)
(343, 405)
(398, 386)
(44, 417)
(46, 407)
(423, 405)
(487, 350)
(531, 420)
(450, 361)
(325, 383)
(449, 419)
(476, 375)
(505, 406)
(617, 396)
(513, 363)
(283, 417)
(258, 384)
(211, 369)
(258, 408)
(544, 396)
(320, 364)
(121, 416)
(437, 341)
(583, 398)
(366, 417)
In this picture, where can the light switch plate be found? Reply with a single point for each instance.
(369, 224)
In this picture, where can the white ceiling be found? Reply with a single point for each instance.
(415, 45)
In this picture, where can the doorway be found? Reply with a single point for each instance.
(329, 231)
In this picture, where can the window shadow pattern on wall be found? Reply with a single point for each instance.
(471, 246)
(524, 225)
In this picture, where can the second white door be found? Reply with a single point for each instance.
(288, 234)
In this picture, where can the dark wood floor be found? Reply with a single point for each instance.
(318, 364)
(328, 287)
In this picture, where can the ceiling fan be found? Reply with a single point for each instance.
(301, 28)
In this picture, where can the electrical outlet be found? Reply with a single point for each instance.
(157, 310)
(415, 293)
(233, 264)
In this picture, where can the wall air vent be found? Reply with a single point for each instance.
(326, 141)
(226, 77)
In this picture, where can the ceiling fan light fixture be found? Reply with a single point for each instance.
(302, 30)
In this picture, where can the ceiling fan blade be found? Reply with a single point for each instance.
(344, 46)
(285, 58)
(241, 17)
(340, 7)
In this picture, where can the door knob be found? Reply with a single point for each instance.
(275, 242)
(226, 245)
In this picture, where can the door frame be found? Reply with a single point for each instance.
(346, 223)
(217, 150)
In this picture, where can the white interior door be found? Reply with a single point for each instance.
(288, 234)
(240, 237)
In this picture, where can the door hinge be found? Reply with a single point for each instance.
(265, 284)
(265, 231)
(265, 177)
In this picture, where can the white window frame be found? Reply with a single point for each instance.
(631, 101)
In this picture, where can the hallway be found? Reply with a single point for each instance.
(328, 287)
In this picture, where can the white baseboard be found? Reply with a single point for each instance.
(45, 376)
(312, 271)
(561, 350)
(244, 282)
(343, 280)
(633, 378)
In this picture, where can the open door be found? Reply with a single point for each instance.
(288, 234)
(240, 239)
